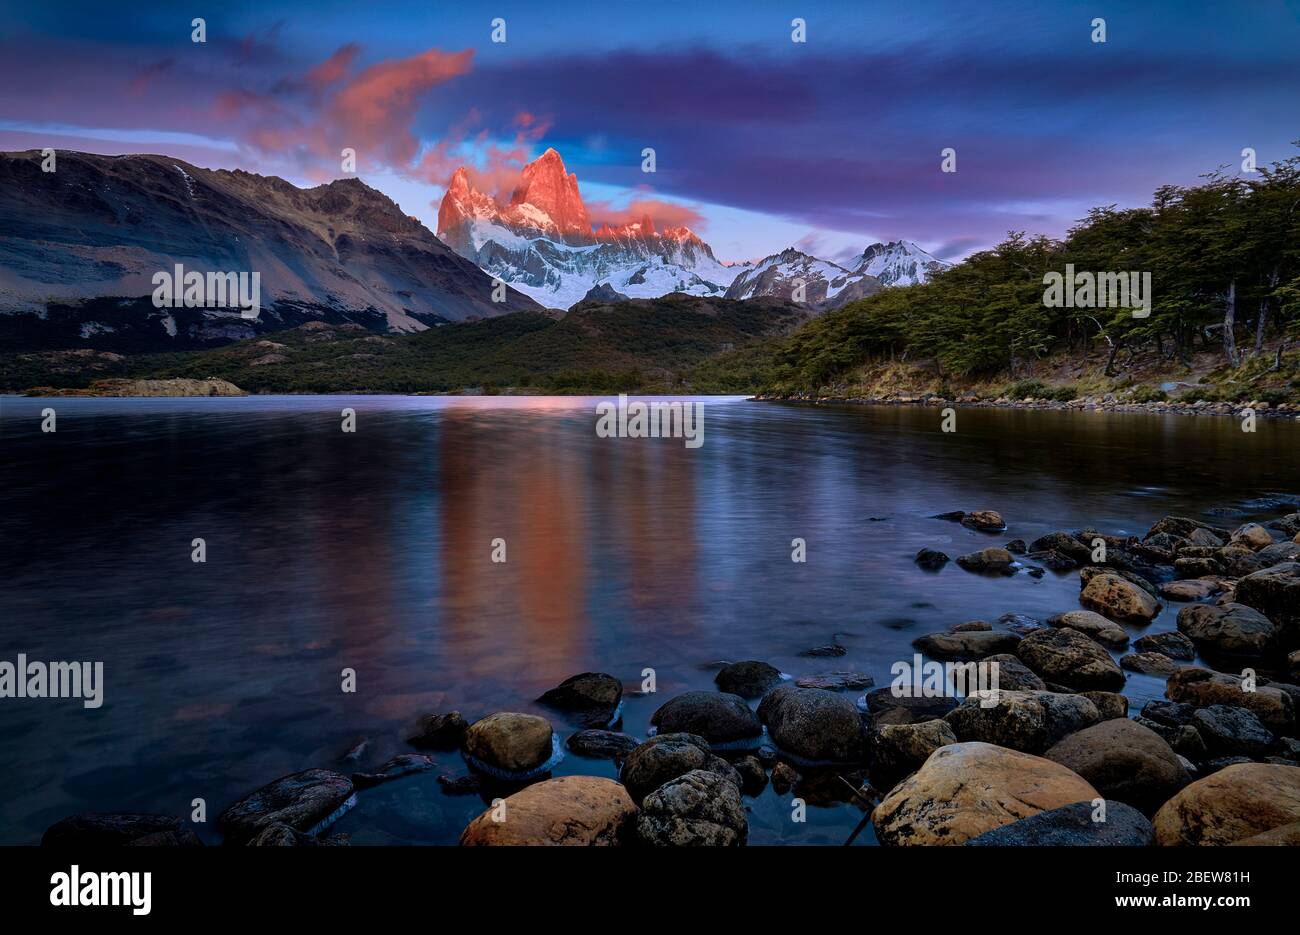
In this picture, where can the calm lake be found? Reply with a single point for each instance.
(373, 551)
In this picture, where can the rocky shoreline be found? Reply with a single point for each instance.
(1107, 403)
(1050, 754)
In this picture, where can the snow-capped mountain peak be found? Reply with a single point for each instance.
(541, 241)
(898, 263)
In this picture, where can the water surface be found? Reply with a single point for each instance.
(373, 550)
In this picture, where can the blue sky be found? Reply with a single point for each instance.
(831, 143)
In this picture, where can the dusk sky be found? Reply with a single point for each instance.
(761, 142)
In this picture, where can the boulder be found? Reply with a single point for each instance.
(1231, 630)
(694, 810)
(1278, 553)
(723, 719)
(308, 801)
(1173, 645)
(813, 726)
(1237, 802)
(988, 561)
(594, 696)
(573, 811)
(1069, 658)
(665, 757)
(510, 745)
(1201, 688)
(900, 749)
(1065, 544)
(439, 731)
(1123, 760)
(884, 707)
(1182, 527)
(748, 679)
(970, 626)
(753, 777)
(1073, 826)
(1092, 625)
(931, 559)
(1016, 721)
(1119, 599)
(1253, 536)
(967, 645)
(1231, 731)
(984, 521)
(1275, 593)
(966, 789)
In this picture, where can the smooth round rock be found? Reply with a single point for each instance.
(814, 726)
(510, 741)
(966, 789)
(1123, 760)
(575, 811)
(722, 719)
(748, 679)
(1235, 803)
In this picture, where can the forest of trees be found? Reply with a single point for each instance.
(1224, 258)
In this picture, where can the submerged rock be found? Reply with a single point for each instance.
(697, 809)
(1235, 803)
(723, 719)
(1173, 645)
(602, 744)
(813, 726)
(931, 559)
(988, 561)
(574, 811)
(967, 645)
(397, 767)
(439, 731)
(966, 789)
(984, 521)
(1073, 826)
(308, 801)
(594, 696)
(884, 707)
(1157, 664)
(839, 680)
(664, 757)
(510, 745)
(109, 829)
(1123, 760)
(748, 679)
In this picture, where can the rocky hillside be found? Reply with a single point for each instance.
(83, 243)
